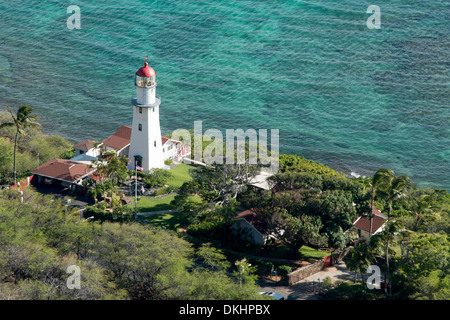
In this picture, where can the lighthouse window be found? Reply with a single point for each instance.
(154, 143)
(140, 127)
(140, 110)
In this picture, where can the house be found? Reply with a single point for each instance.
(85, 152)
(261, 181)
(86, 147)
(119, 141)
(250, 227)
(174, 149)
(362, 224)
(66, 173)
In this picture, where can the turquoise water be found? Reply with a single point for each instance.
(354, 98)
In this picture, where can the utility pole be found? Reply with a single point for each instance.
(135, 190)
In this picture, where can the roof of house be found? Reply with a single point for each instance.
(253, 219)
(164, 140)
(63, 169)
(261, 180)
(85, 145)
(83, 158)
(120, 139)
(378, 221)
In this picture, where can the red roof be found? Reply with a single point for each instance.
(253, 218)
(63, 169)
(164, 140)
(146, 71)
(378, 221)
(120, 139)
(85, 145)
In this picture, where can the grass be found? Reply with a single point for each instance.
(305, 253)
(308, 253)
(180, 174)
(147, 204)
(169, 220)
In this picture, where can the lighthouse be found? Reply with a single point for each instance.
(145, 142)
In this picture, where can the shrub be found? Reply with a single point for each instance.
(165, 190)
(284, 270)
(327, 282)
(156, 178)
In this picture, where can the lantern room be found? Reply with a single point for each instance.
(145, 82)
(145, 76)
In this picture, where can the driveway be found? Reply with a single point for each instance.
(308, 288)
(61, 192)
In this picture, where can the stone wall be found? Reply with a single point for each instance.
(304, 272)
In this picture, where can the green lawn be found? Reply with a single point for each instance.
(169, 220)
(180, 174)
(147, 204)
(306, 253)
(313, 254)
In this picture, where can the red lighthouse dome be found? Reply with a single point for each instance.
(146, 71)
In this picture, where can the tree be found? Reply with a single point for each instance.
(296, 232)
(435, 286)
(422, 254)
(244, 272)
(149, 263)
(223, 182)
(22, 120)
(6, 159)
(358, 259)
(212, 258)
(391, 187)
(383, 241)
(292, 163)
(156, 177)
(422, 208)
(370, 183)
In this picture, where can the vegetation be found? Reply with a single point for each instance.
(117, 260)
(21, 121)
(28, 144)
(293, 163)
(310, 207)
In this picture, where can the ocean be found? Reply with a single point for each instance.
(354, 98)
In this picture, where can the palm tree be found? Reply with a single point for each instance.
(358, 259)
(22, 120)
(422, 208)
(390, 186)
(369, 183)
(382, 241)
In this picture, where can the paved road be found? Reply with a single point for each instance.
(307, 289)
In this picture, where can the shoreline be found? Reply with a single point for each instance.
(349, 172)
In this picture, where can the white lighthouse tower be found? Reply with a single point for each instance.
(145, 143)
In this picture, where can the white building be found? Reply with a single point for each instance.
(142, 142)
(362, 225)
(85, 152)
(145, 144)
